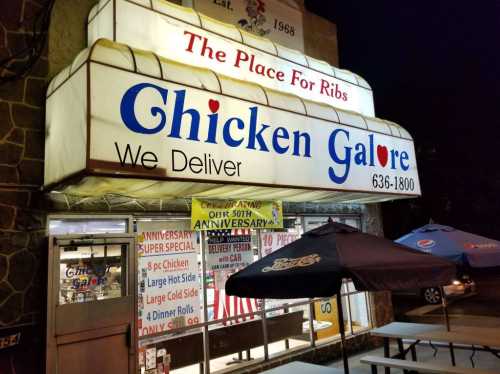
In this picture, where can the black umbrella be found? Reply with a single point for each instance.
(315, 264)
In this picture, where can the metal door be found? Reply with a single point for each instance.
(90, 306)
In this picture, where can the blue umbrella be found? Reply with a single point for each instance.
(461, 247)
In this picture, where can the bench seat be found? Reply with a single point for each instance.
(423, 367)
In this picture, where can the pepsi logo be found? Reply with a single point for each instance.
(479, 245)
(426, 243)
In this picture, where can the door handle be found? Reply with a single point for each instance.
(128, 336)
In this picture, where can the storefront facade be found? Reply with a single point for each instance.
(143, 121)
(239, 337)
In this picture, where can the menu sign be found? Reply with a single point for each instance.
(271, 241)
(229, 252)
(168, 295)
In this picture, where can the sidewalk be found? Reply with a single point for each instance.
(483, 360)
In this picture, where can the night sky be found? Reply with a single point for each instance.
(434, 68)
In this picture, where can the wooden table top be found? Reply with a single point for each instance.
(479, 336)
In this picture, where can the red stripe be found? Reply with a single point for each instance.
(242, 310)
(250, 309)
(216, 304)
(235, 305)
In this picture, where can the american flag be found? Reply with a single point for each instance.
(226, 306)
(230, 232)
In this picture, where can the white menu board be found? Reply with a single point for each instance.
(271, 241)
(169, 288)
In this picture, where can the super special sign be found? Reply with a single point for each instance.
(168, 285)
(149, 127)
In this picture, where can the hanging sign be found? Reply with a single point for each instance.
(143, 126)
(326, 311)
(209, 214)
(272, 19)
(229, 252)
(160, 30)
(168, 295)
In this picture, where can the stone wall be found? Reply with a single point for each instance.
(22, 220)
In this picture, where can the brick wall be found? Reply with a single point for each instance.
(22, 221)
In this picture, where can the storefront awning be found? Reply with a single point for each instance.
(126, 121)
(184, 35)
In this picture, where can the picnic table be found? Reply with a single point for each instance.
(487, 338)
(299, 367)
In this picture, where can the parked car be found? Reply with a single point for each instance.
(432, 295)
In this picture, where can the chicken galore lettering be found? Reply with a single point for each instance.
(244, 129)
(154, 128)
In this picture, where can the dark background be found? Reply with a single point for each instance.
(434, 68)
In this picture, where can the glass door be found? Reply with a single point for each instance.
(91, 310)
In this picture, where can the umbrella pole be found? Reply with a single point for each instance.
(340, 314)
(444, 304)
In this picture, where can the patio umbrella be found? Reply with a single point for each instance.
(461, 247)
(315, 264)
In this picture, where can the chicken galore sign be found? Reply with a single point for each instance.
(277, 68)
(168, 130)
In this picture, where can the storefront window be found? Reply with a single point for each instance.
(171, 285)
(176, 353)
(354, 305)
(234, 326)
(90, 273)
(235, 336)
(69, 226)
(170, 296)
(359, 311)
(288, 325)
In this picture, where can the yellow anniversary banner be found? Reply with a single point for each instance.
(207, 214)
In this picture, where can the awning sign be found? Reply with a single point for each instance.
(196, 131)
(169, 130)
(209, 214)
(256, 60)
